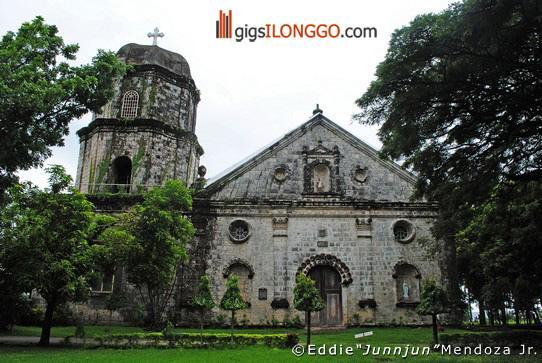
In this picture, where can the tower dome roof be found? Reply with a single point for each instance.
(154, 55)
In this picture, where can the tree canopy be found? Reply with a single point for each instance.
(232, 299)
(44, 243)
(433, 302)
(307, 298)
(42, 91)
(459, 100)
(156, 233)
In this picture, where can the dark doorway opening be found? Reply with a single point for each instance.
(328, 281)
(122, 174)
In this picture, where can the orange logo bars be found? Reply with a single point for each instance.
(224, 25)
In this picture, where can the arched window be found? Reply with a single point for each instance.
(129, 104)
(245, 283)
(122, 174)
(322, 178)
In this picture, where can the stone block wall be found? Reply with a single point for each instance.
(163, 96)
(276, 253)
(156, 156)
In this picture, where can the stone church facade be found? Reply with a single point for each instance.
(319, 201)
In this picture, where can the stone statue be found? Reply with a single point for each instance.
(405, 290)
(319, 185)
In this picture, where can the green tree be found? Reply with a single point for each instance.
(41, 93)
(307, 298)
(433, 302)
(44, 242)
(504, 238)
(115, 301)
(232, 299)
(459, 98)
(159, 231)
(203, 299)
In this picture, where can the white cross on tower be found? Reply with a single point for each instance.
(155, 35)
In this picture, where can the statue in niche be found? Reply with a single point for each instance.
(406, 290)
(319, 185)
(321, 178)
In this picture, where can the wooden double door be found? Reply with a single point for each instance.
(328, 281)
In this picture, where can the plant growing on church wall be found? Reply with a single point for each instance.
(103, 166)
(232, 299)
(136, 161)
(44, 238)
(307, 298)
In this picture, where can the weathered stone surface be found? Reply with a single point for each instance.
(160, 141)
(289, 223)
(318, 197)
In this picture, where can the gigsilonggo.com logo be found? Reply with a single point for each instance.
(226, 30)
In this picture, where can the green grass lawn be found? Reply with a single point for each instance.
(382, 337)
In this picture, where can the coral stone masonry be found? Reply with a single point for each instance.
(319, 201)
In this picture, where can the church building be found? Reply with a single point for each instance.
(318, 201)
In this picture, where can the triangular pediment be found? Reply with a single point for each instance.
(319, 136)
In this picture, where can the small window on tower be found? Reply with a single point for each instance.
(129, 104)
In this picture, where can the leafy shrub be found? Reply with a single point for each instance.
(220, 320)
(135, 314)
(244, 321)
(63, 316)
(14, 307)
(292, 339)
(80, 332)
(196, 340)
(168, 330)
(32, 316)
(297, 322)
(513, 339)
(355, 319)
(287, 323)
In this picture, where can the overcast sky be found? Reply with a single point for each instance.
(251, 93)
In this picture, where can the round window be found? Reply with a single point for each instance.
(360, 174)
(239, 231)
(403, 231)
(280, 174)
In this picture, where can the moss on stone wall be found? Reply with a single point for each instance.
(91, 176)
(103, 166)
(136, 161)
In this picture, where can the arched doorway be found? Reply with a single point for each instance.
(328, 281)
(122, 174)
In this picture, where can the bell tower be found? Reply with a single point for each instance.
(145, 134)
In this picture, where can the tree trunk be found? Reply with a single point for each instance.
(201, 324)
(47, 323)
(232, 320)
(504, 316)
(308, 313)
(516, 313)
(491, 318)
(536, 316)
(435, 329)
(470, 310)
(482, 312)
